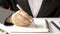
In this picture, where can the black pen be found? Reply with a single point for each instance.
(55, 25)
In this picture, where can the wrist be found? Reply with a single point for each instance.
(9, 20)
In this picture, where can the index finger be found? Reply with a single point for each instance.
(23, 13)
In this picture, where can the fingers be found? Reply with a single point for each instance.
(20, 20)
(24, 14)
(23, 19)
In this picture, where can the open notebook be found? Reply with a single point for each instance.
(41, 26)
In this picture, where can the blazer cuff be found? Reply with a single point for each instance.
(4, 14)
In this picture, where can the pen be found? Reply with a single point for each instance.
(19, 14)
(47, 24)
(34, 24)
(55, 25)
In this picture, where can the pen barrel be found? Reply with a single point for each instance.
(55, 25)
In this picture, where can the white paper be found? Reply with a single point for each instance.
(41, 27)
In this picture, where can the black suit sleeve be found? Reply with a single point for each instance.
(12, 4)
(4, 4)
(57, 11)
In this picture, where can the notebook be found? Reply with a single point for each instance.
(39, 25)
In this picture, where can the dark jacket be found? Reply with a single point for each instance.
(49, 8)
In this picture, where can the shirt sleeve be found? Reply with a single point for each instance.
(4, 14)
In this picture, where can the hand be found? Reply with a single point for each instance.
(21, 18)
